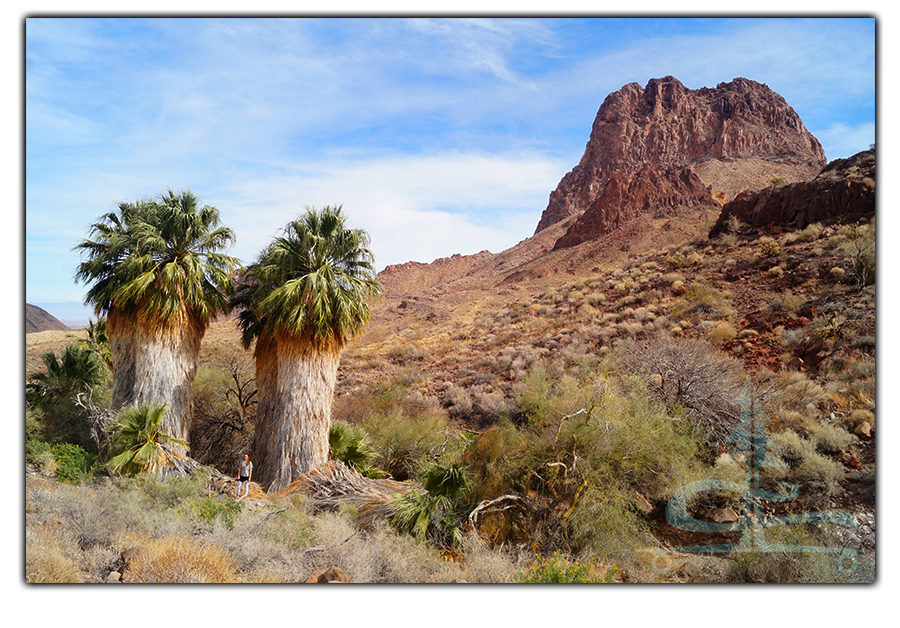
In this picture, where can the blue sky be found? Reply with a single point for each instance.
(439, 136)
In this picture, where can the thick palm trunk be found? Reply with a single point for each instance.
(120, 331)
(152, 363)
(296, 387)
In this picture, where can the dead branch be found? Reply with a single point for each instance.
(500, 504)
(564, 419)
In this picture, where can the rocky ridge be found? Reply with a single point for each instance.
(843, 190)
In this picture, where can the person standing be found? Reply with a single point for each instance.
(244, 474)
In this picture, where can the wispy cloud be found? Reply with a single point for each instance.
(438, 135)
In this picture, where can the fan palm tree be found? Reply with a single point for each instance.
(54, 393)
(158, 274)
(138, 445)
(301, 301)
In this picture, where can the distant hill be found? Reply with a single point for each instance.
(37, 319)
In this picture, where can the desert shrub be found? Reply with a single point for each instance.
(859, 415)
(797, 392)
(703, 299)
(73, 464)
(830, 439)
(490, 405)
(180, 559)
(693, 378)
(624, 287)
(858, 245)
(37, 451)
(807, 466)
(409, 352)
(556, 568)
(791, 303)
(596, 299)
(47, 560)
(587, 444)
(403, 443)
(799, 567)
(169, 491)
(675, 261)
(775, 272)
(808, 234)
(721, 332)
(768, 247)
(224, 409)
(211, 509)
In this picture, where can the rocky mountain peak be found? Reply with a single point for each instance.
(671, 146)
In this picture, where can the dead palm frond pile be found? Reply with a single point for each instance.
(333, 483)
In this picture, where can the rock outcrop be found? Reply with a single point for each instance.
(665, 142)
(845, 189)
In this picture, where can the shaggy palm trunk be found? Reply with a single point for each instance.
(155, 363)
(296, 386)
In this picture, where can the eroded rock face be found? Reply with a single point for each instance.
(845, 189)
(628, 194)
(666, 127)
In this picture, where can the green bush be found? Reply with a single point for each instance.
(588, 444)
(73, 464)
(558, 570)
(209, 509)
(403, 443)
(35, 449)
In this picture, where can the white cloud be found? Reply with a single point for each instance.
(841, 140)
(414, 207)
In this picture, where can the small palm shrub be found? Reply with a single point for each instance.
(434, 514)
(138, 445)
(559, 570)
(351, 445)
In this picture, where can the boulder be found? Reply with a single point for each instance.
(328, 576)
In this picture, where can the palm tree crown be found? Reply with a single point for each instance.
(311, 283)
(159, 259)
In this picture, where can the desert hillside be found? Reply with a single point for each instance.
(691, 329)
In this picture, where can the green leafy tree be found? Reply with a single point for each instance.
(139, 445)
(301, 301)
(158, 273)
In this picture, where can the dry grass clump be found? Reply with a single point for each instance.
(48, 558)
(182, 559)
(721, 332)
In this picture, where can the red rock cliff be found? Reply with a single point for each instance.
(652, 134)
